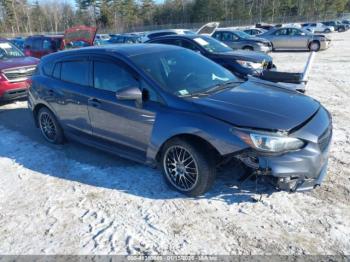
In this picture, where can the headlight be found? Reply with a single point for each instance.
(251, 65)
(271, 143)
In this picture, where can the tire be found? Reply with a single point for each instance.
(341, 30)
(327, 31)
(248, 48)
(314, 46)
(49, 126)
(187, 167)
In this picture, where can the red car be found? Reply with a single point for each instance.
(78, 36)
(40, 45)
(15, 70)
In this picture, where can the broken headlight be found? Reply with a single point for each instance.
(271, 143)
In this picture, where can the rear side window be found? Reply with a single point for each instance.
(57, 71)
(112, 77)
(48, 68)
(75, 72)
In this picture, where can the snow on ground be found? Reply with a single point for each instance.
(72, 199)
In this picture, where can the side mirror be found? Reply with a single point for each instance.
(130, 93)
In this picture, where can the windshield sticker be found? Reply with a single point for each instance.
(5, 45)
(183, 92)
(215, 77)
(201, 41)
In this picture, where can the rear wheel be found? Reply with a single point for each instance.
(49, 126)
(314, 46)
(327, 31)
(187, 168)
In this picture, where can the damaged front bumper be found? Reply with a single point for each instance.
(300, 170)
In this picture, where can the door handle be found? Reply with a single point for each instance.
(94, 102)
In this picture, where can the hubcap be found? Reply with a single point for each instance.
(180, 168)
(47, 127)
(314, 46)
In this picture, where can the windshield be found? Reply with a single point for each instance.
(212, 45)
(183, 72)
(8, 50)
(242, 34)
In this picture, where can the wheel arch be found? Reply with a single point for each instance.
(36, 110)
(192, 138)
(248, 46)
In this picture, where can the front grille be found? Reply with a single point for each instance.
(325, 138)
(19, 74)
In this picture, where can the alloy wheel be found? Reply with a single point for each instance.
(181, 168)
(47, 127)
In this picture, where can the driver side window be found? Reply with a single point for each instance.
(189, 45)
(294, 32)
(112, 77)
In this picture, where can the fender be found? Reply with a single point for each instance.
(189, 123)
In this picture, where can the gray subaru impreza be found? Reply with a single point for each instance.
(170, 107)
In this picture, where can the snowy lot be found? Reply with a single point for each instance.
(72, 199)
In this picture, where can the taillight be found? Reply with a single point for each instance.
(27, 52)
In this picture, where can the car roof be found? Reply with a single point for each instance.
(46, 36)
(122, 49)
(178, 37)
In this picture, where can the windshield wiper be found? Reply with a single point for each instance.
(222, 86)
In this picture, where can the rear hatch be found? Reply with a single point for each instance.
(81, 33)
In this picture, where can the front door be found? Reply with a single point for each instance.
(122, 123)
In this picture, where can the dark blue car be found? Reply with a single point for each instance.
(173, 108)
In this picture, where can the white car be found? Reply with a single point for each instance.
(318, 28)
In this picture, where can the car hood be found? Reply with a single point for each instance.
(18, 62)
(259, 106)
(252, 56)
(79, 33)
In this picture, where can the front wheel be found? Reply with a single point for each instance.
(49, 126)
(187, 167)
(327, 31)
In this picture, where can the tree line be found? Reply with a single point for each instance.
(25, 16)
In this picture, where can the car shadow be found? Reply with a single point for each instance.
(83, 164)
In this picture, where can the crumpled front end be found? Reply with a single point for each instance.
(299, 170)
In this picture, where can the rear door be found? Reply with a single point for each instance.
(298, 39)
(120, 122)
(228, 38)
(70, 93)
(280, 39)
